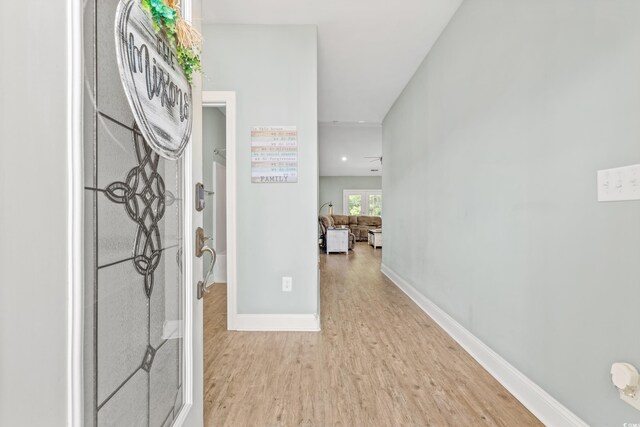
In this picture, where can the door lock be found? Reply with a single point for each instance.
(200, 202)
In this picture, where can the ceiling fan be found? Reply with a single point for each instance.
(375, 158)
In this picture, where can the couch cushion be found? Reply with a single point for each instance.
(341, 219)
(370, 221)
(353, 219)
(362, 233)
(326, 221)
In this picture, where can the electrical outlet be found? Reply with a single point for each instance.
(619, 184)
(287, 284)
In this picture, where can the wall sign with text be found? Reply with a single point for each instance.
(274, 154)
(155, 84)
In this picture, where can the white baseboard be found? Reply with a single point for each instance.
(535, 399)
(277, 322)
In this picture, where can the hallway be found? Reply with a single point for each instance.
(378, 361)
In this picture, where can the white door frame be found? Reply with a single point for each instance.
(188, 256)
(228, 100)
(75, 218)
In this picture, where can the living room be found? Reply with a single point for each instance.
(350, 186)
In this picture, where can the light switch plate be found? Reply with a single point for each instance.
(619, 184)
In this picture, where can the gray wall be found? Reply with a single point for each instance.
(331, 189)
(273, 70)
(491, 154)
(34, 173)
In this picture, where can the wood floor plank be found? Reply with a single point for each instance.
(378, 361)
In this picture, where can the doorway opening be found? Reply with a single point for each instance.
(218, 152)
(214, 171)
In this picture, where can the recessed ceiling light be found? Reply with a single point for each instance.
(361, 121)
(344, 159)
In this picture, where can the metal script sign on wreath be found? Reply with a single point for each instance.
(157, 89)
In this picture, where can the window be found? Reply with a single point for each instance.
(375, 204)
(354, 204)
(362, 202)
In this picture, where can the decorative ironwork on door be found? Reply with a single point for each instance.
(144, 196)
(133, 252)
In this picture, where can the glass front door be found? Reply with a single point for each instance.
(134, 285)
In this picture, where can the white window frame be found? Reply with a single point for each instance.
(365, 197)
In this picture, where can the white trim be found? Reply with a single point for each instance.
(228, 99)
(75, 192)
(187, 263)
(535, 399)
(278, 322)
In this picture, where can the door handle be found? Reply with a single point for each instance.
(203, 288)
(201, 248)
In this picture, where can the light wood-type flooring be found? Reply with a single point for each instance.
(378, 361)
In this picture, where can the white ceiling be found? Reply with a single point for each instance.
(353, 142)
(367, 49)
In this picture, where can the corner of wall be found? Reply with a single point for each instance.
(533, 397)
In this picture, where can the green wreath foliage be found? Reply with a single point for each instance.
(164, 19)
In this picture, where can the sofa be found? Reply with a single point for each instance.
(358, 224)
